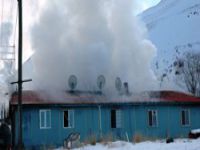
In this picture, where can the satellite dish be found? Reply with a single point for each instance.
(101, 81)
(72, 82)
(118, 84)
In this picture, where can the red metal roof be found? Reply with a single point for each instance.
(41, 97)
(175, 96)
(178, 96)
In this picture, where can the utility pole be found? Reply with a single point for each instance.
(20, 81)
(20, 143)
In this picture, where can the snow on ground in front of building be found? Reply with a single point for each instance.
(179, 144)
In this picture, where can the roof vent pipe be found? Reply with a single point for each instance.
(126, 89)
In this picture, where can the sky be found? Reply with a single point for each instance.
(145, 4)
(148, 3)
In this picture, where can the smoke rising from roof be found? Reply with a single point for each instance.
(6, 66)
(89, 38)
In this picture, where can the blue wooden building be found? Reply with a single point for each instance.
(49, 118)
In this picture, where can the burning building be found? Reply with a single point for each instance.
(49, 119)
(88, 38)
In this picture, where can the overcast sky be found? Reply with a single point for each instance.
(148, 3)
(145, 4)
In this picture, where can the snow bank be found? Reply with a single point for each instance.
(179, 144)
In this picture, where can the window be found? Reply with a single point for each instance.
(185, 117)
(45, 119)
(115, 118)
(152, 118)
(68, 119)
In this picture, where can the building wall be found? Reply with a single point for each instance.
(86, 122)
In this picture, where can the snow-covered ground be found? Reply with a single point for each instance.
(179, 144)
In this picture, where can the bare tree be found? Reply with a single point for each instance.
(187, 72)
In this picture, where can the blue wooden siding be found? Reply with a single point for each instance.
(86, 122)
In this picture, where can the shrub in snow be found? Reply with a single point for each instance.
(92, 140)
(137, 138)
(169, 140)
(105, 139)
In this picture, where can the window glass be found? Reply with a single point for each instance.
(113, 118)
(116, 118)
(42, 119)
(154, 121)
(48, 119)
(152, 118)
(45, 119)
(66, 124)
(71, 118)
(68, 118)
(185, 117)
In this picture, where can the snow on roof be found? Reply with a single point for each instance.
(41, 97)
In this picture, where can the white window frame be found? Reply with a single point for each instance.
(45, 118)
(72, 111)
(118, 118)
(156, 113)
(185, 110)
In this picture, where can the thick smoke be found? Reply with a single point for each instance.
(6, 31)
(89, 38)
(6, 66)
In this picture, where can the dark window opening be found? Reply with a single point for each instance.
(185, 117)
(113, 118)
(152, 118)
(66, 122)
(116, 121)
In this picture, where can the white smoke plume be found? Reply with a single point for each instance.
(6, 66)
(89, 38)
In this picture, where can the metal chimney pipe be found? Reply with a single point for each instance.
(126, 89)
